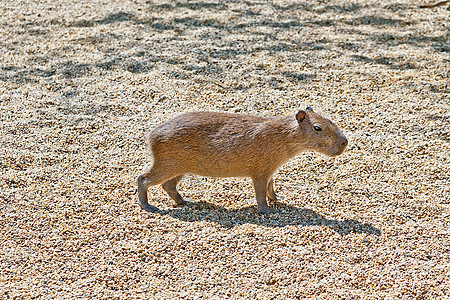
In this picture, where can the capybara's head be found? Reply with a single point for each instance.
(322, 135)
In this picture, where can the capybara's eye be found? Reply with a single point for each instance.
(317, 128)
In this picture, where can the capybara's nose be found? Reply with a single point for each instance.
(344, 142)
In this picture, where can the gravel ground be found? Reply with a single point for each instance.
(81, 82)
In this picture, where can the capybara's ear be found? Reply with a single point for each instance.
(309, 108)
(300, 116)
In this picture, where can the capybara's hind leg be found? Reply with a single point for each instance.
(170, 186)
(147, 179)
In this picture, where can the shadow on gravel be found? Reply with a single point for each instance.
(167, 23)
(284, 215)
(392, 63)
(211, 47)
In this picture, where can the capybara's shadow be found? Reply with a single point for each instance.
(283, 215)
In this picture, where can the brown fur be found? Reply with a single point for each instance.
(229, 145)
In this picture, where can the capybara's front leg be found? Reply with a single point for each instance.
(270, 191)
(260, 184)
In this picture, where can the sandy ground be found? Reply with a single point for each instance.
(81, 82)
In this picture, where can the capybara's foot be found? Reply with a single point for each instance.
(265, 210)
(149, 207)
(180, 203)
